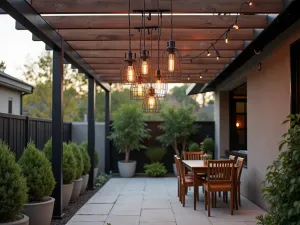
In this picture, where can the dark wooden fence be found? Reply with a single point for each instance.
(16, 131)
(206, 129)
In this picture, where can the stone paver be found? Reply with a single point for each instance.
(153, 201)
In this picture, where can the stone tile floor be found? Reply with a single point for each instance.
(153, 201)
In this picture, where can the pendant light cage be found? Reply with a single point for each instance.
(138, 91)
(129, 70)
(160, 85)
(151, 103)
(145, 64)
(171, 58)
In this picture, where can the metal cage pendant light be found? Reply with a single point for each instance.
(138, 90)
(172, 57)
(151, 102)
(129, 71)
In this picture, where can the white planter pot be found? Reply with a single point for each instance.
(175, 170)
(95, 173)
(127, 169)
(23, 221)
(39, 213)
(76, 190)
(85, 180)
(67, 192)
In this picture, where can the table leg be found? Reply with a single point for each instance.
(195, 188)
(235, 189)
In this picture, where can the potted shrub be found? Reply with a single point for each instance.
(156, 168)
(37, 170)
(13, 189)
(208, 145)
(178, 125)
(69, 174)
(194, 147)
(128, 133)
(86, 166)
(78, 171)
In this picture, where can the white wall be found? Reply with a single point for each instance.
(5, 94)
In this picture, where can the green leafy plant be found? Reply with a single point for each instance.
(155, 169)
(128, 129)
(178, 125)
(96, 159)
(208, 145)
(48, 149)
(282, 184)
(86, 158)
(79, 159)
(69, 165)
(37, 170)
(13, 188)
(194, 147)
(156, 154)
(102, 179)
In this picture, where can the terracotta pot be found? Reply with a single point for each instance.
(76, 190)
(23, 221)
(67, 192)
(39, 213)
(85, 180)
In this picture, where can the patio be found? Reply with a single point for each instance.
(142, 201)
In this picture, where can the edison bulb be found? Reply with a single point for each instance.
(171, 63)
(158, 85)
(140, 90)
(145, 68)
(130, 73)
(151, 102)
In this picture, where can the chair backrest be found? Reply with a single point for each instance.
(239, 164)
(220, 171)
(231, 157)
(179, 168)
(192, 155)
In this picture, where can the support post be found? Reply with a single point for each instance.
(57, 130)
(91, 129)
(107, 130)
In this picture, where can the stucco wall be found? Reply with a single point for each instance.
(5, 94)
(79, 135)
(268, 103)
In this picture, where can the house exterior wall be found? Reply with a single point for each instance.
(268, 104)
(5, 94)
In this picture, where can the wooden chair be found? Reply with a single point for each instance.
(192, 155)
(219, 178)
(240, 164)
(178, 178)
(186, 181)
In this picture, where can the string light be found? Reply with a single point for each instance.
(201, 76)
(250, 3)
(226, 38)
(208, 53)
(189, 77)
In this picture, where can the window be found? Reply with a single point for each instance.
(10, 101)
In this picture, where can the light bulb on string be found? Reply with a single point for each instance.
(145, 67)
(130, 74)
(208, 53)
(235, 26)
(171, 63)
(250, 3)
(226, 38)
(189, 77)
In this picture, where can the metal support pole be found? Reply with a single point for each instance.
(91, 129)
(57, 130)
(107, 130)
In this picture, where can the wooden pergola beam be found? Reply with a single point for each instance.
(182, 22)
(120, 6)
(179, 34)
(106, 72)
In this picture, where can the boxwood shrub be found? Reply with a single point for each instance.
(69, 165)
(37, 170)
(86, 158)
(13, 188)
(48, 149)
(79, 159)
(155, 169)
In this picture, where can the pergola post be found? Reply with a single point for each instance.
(91, 128)
(57, 130)
(107, 129)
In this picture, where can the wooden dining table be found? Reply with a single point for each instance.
(198, 166)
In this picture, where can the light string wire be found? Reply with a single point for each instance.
(171, 19)
(212, 46)
(129, 23)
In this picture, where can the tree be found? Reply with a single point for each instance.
(2, 66)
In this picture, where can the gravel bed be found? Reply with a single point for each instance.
(74, 207)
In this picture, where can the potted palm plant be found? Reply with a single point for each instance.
(13, 189)
(128, 133)
(178, 125)
(86, 166)
(37, 170)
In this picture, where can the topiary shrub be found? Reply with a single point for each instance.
(69, 165)
(194, 147)
(13, 188)
(208, 145)
(155, 169)
(156, 154)
(48, 149)
(86, 158)
(96, 159)
(79, 159)
(37, 170)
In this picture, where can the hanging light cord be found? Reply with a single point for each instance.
(158, 32)
(171, 19)
(144, 24)
(212, 46)
(129, 23)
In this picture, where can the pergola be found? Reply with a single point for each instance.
(93, 38)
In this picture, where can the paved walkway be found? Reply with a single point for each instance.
(147, 201)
